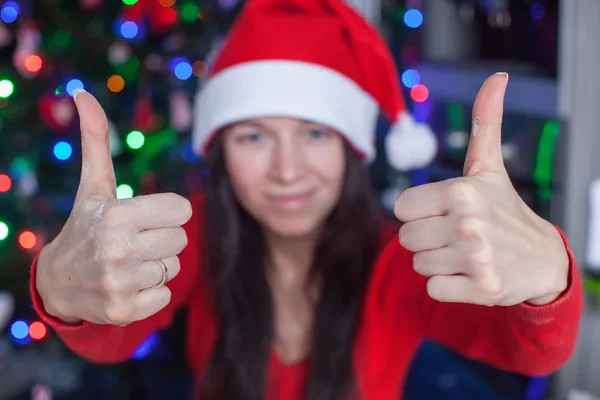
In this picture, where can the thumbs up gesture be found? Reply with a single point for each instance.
(473, 236)
(102, 267)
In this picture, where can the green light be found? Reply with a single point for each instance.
(189, 12)
(62, 39)
(542, 174)
(135, 139)
(20, 166)
(124, 192)
(129, 2)
(3, 230)
(6, 88)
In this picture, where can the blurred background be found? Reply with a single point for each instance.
(145, 59)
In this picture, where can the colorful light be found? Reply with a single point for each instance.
(413, 18)
(537, 11)
(37, 330)
(63, 151)
(6, 88)
(129, 2)
(19, 329)
(146, 347)
(3, 230)
(72, 85)
(410, 78)
(189, 12)
(5, 183)
(115, 83)
(33, 63)
(183, 70)
(27, 240)
(129, 29)
(19, 166)
(199, 68)
(135, 139)
(124, 192)
(166, 3)
(10, 12)
(419, 93)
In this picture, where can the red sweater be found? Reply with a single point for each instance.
(398, 315)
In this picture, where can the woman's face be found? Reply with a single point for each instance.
(287, 173)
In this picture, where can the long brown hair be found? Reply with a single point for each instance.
(236, 254)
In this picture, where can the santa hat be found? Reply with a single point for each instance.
(313, 60)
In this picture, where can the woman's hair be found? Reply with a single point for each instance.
(235, 271)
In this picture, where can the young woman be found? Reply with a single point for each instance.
(295, 287)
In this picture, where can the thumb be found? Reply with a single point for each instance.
(97, 172)
(484, 153)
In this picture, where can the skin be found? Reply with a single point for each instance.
(473, 236)
(288, 175)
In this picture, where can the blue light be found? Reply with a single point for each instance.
(413, 18)
(188, 153)
(10, 12)
(19, 329)
(183, 70)
(537, 11)
(62, 150)
(146, 348)
(410, 78)
(129, 29)
(72, 85)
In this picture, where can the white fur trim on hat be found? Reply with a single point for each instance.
(286, 88)
(409, 144)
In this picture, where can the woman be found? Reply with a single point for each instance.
(295, 287)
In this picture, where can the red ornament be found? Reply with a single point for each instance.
(57, 112)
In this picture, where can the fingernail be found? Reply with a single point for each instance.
(76, 92)
(505, 74)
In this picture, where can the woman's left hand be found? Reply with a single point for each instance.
(473, 236)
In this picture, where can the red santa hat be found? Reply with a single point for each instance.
(313, 60)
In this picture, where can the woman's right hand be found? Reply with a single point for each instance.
(102, 267)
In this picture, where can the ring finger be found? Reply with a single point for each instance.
(149, 274)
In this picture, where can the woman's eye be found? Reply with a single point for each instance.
(252, 137)
(318, 133)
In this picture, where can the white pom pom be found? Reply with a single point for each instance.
(7, 305)
(410, 145)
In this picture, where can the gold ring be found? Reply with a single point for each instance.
(165, 271)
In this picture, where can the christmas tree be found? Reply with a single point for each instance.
(143, 60)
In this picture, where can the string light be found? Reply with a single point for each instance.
(27, 240)
(129, 29)
(37, 330)
(19, 329)
(72, 85)
(6, 88)
(63, 151)
(410, 78)
(5, 183)
(419, 93)
(413, 18)
(135, 139)
(10, 12)
(124, 192)
(183, 70)
(33, 63)
(115, 83)
(4, 231)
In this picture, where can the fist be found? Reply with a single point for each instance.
(103, 266)
(473, 236)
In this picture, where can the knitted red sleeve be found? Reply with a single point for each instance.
(526, 339)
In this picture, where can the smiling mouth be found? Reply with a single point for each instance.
(290, 201)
